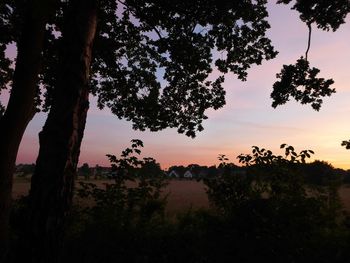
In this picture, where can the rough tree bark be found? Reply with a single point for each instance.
(53, 180)
(20, 109)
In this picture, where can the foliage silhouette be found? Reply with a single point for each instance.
(273, 175)
(84, 170)
(24, 23)
(326, 15)
(266, 214)
(150, 64)
(346, 144)
(272, 209)
(299, 80)
(301, 75)
(120, 204)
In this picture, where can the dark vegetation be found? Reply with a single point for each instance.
(150, 62)
(272, 212)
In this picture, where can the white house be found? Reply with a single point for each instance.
(188, 174)
(174, 174)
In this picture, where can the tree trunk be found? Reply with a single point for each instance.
(20, 109)
(53, 181)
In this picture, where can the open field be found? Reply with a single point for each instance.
(183, 194)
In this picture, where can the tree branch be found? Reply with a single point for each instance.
(134, 14)
(309, 41)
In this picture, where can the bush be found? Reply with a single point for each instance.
(120, 215)
(271, 212)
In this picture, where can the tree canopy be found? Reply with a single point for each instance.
(162, 63)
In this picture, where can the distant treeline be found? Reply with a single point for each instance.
(316, 172)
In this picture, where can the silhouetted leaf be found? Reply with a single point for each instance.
(346, 144)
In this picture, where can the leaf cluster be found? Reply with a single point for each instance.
(302, 83)
(326, 14)
(266, 157)
(134, 197)
(270, 177)
(346, 144)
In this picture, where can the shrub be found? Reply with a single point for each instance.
(270, 209)
(119, 210)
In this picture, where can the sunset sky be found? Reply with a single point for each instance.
(247, 118)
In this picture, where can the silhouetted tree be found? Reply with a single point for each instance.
(24, 23)
(150, 168)
(318, 172)
(84, 170)
(152, 65)
(300, 81)
(131, 50)
(25, 169)
(346, 178)
(53, 180)
(98, 171)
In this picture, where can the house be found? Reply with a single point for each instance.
(173, 174)
(188, 174)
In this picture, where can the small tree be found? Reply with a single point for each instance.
(85, 171)
(26, 169)
(271, 209)
(98, 171)
(124, 206)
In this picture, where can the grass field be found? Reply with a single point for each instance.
(275, 235)
(183, 194)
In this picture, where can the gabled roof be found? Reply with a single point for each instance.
(173, 173)
(188, 174)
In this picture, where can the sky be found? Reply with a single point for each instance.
(247, 119)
